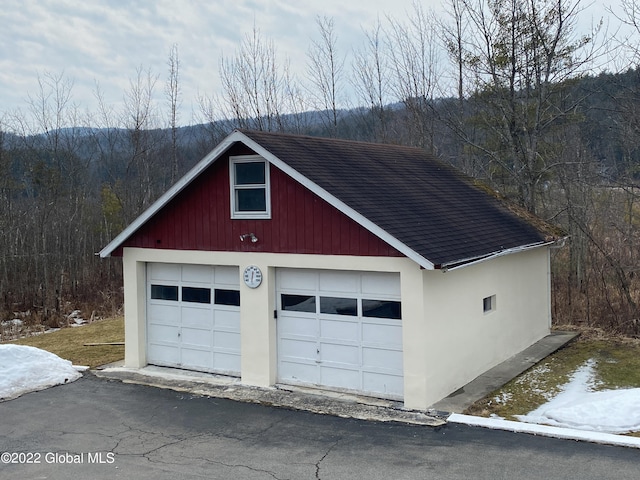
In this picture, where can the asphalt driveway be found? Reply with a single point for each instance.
(104, 429)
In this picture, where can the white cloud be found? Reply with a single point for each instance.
(106, 41)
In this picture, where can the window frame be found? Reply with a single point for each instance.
(489, 304)
(233, 187)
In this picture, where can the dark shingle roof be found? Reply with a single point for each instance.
(425, 204)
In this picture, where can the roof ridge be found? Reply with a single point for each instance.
(248, 131)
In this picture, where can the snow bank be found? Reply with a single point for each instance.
(578, 407)
(28, 369)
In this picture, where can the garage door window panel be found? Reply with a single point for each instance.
(196, 295)
(227, 297)
(381, 309)
(339, 306)
(164, 292)
(298, 303)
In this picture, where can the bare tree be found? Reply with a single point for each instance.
(324, 73)
(173, 94)
(139, 119)
(371, 82)
(628, 43)
(454, 35)
(252, 81)
(46, 193)
(298, 118)
(7, 227)
(413, 50)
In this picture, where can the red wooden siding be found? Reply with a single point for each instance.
(199, 218)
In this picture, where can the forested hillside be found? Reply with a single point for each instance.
(525, 110)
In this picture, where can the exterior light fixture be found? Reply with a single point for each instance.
(251, 236)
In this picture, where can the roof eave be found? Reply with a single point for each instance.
(458, 264)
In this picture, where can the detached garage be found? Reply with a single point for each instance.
(336, 264)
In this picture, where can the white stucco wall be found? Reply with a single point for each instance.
(447, 339)
(464, 341)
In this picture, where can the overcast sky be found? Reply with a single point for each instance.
(104, 41)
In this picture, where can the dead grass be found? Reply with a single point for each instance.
(617, 366)
(69, 343)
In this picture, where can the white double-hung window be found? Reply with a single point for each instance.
(249, 176)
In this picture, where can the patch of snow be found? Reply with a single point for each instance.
(534, 381)
(16, 322)
(503, 398)
(26, 369)
(76, 318)
(577, 406)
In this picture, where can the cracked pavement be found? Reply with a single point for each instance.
(152, 433)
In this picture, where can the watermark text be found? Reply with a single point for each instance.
(57, 458)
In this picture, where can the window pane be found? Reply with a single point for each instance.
(381, 309)
(250, 173)
(227, 297)
(339, 306)
(251, 200)
(196, 295)
(299, 303)
(489, 303)
(164, 292)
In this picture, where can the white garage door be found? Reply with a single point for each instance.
(340, 329)
(193, 317)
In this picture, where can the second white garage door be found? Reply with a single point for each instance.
(340, 329)
(193, 317)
